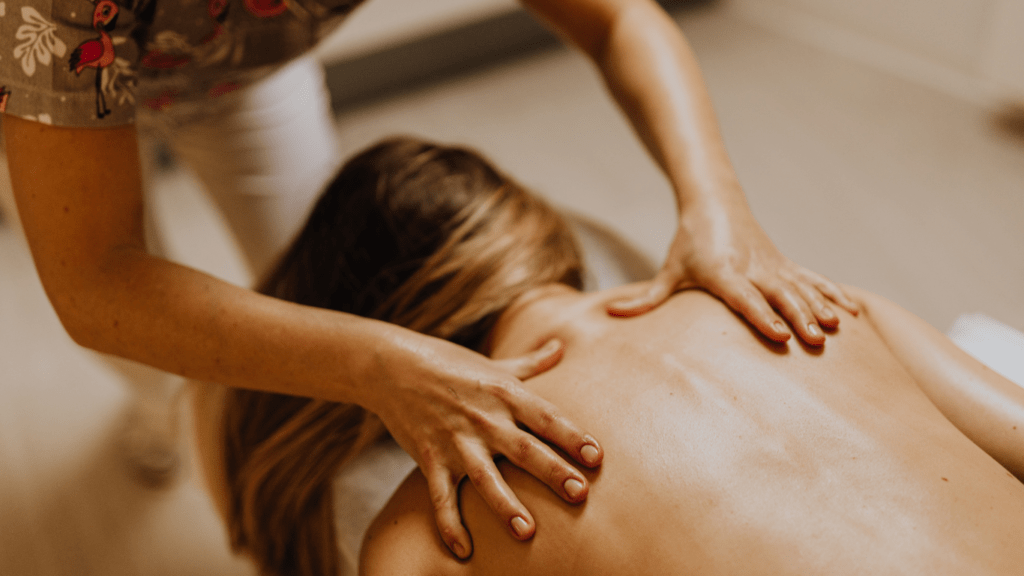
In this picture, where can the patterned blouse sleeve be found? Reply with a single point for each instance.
(69, 62)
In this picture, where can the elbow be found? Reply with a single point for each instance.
(78, 310)
(77, 325)
(91, 298)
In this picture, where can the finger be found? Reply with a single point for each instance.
(742, 296)
(836, 294)
(445, 498)
(544, 420)
(787, 300)
(538, 459)
(484, 475)
(663, 285)
(540, 360)
(816, 302)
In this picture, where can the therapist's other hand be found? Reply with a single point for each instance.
(453, 410)
(730, 256)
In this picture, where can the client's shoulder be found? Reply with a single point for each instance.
(403, 539)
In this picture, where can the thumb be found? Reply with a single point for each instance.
(536, 362)
(660, 289)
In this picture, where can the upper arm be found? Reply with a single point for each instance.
(403, 539)
(79, 195)
(985, 406)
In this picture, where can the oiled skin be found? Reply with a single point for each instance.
(726, 454)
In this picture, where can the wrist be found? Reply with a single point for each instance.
(389, 351)
(711, 193)
(723, 200)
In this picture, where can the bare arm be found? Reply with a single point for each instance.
(654, 76)
(986, 407)
(78, 192)
(79, 195)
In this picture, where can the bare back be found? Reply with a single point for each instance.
(726, 454)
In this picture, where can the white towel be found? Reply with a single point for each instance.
(993, 343)
(361, 491)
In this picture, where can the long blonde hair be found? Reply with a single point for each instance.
(428, 237)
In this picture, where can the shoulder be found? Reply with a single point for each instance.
(403, 539)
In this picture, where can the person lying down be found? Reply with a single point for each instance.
(885, 451)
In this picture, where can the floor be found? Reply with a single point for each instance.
(859, 175)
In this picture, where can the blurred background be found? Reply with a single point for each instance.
(879, 143)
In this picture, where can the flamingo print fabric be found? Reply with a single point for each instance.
(97, 62)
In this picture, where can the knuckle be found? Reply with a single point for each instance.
(790, 299)
(477, 474)
(507, 391)
(757, 289)
(812, 277)
(811, 298)
(789, 274)
(478, 417)
(485, 425)
(442, 500)
(557, 471)
(428, 454)
(448, 533)
(749, 292)
(500, 388)
(827, 290)
(546, 418)
(723, 279)
(521, 449)
(788, 290)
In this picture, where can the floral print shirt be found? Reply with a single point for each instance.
(93, 62)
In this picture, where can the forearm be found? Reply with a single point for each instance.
(183, 321)
(653, 75)
(79, 195)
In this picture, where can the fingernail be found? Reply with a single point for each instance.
(573, 488)
(813, 329)
(589, 453)
(779, 327)
(827, 313)
(459, 549)
(519, 526)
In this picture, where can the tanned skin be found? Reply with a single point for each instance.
(79, 194)
(887, 451)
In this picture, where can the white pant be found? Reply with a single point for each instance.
(264, 154)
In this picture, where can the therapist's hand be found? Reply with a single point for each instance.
(729, 255)
(453, 410)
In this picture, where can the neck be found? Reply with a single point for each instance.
(497, 338)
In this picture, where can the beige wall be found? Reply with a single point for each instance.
(1003, 57)
(380, 24)
(972, 48)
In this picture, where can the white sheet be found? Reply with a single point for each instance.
(993, 343)
(361, 491)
